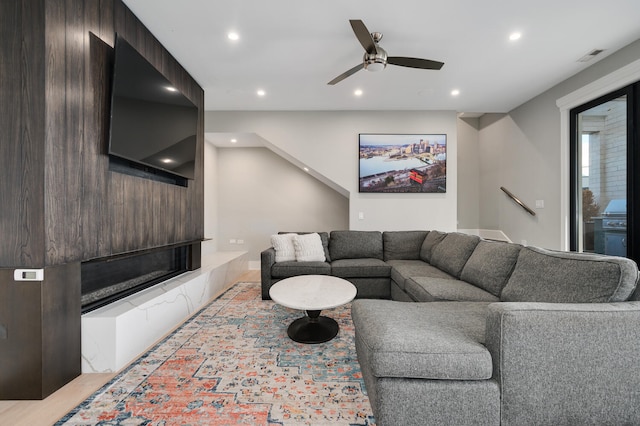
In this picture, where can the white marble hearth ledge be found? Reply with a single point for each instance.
(116, 334)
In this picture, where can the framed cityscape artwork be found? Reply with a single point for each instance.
(403, 163)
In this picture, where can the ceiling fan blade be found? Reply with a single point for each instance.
(424, 64)
(363, 35)
(346, 74)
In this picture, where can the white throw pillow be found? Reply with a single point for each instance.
(308, 248)
(283, 244)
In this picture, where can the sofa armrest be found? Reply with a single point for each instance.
(267, 260)
(566, 363)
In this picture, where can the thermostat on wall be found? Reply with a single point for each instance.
(28, 275)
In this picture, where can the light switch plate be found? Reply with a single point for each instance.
(28, 275)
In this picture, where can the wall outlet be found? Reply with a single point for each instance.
(240, 241)
(539, 204)
(232, 241)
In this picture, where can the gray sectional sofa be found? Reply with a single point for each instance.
(498, 333)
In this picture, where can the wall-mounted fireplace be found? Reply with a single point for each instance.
(106, 280)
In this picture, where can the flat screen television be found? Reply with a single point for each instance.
(152, 123)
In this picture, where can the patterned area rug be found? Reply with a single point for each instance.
(233, 363)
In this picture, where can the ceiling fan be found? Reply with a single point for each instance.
(375, 57)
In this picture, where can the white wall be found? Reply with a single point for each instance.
(210, 199)
(327, 142)
(522, 152)
(259, 194)
(468, 174)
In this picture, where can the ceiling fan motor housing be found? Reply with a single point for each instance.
(375, 61)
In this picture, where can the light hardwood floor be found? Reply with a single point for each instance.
(51, 409)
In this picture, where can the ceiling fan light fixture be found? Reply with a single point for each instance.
(375, 66)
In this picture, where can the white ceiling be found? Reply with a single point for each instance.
(291, 49)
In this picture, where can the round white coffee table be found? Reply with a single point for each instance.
(312, 293)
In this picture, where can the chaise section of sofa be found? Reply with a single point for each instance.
(426, 366)
(561, 350)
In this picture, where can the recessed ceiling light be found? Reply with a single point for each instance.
(455, 92)
(171, 89)
(358, 92)
(167, 160)
(261, 92)
(306, 169)
(234, 140)
(233, 36)
(515, 36)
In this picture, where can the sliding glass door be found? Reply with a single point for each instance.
(603, 175)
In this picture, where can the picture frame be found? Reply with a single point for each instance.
(402, 163)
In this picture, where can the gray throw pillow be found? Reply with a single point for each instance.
(490, 265)
(567, 277)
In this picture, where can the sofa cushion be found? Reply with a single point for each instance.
(440, 341)
(402, 245)
(324, 237)
(292, 269)
(355, 245)
(490, 265)
(352, 268)
(402, 270)
(453, 251)
(308, 248)
(426, 289)
(430, 242)
(551, 276)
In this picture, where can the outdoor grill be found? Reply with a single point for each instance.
(613, 229)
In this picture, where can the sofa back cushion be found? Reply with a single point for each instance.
(402, 245)
(432, 239)
(453, 251)
(542, 275)
(355, 245)
(490, 265)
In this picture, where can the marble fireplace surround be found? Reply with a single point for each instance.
(116, 334)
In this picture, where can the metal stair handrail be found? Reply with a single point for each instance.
(517, 200)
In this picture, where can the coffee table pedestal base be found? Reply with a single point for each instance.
(313, 328)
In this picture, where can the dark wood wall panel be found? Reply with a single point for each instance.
(21, 347)
(91, 211)
(75, 142)
(21, 132)
(61, 343)
(62, 205)
(40, 343)
(55, 131)
(57, 56)
(117, 217)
